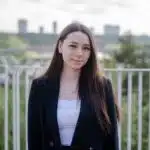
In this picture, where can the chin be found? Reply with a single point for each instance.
(76, 67)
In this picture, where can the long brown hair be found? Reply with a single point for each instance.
(89, 77)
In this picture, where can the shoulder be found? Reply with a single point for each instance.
(40, 81)
(37, 88)
(108, 85)
(44, 85)
(106, 82)
(108, 89)
(110, 99)
(105, 85)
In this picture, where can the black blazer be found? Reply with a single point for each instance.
(43, 132)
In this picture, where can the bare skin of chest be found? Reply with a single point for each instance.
(68, 91)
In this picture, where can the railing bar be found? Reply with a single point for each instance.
(129, 131)
(119, 91)
(140, 110)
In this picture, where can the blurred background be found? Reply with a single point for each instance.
(28, 33)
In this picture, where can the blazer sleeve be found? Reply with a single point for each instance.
(111, 141)
(34, 124)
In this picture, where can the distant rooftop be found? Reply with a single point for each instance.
(43, 41)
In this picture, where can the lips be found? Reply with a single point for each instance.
(79, 61)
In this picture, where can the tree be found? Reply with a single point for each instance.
(127, 52)
(3, 41)
(16, 42)
(11, 41)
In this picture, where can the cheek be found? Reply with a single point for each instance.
(66, 54)
(88, 55)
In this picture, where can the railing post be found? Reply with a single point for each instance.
(14, 109)
(6, 109)
(119, 94)
(26, 105)
(129, 131)
(140, 89)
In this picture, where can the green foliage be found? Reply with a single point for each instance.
(134, 123)
(4, 41)
(133, 56)
(126, 54)
(11, 41)
(10, 119)
(16, 42)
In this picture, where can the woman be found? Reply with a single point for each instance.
(72, 106)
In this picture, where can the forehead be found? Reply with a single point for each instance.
(78, 37)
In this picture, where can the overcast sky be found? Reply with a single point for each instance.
(129, 14)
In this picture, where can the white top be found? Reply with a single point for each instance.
(67, 116)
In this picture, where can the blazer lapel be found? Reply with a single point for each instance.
(77, 137)
(51, 111)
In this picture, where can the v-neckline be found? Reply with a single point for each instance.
(53, 122)
(77, 123)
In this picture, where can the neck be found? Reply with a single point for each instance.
(69, 74)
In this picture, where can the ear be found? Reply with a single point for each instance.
(60, 47)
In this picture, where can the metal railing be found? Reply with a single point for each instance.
(132, 95)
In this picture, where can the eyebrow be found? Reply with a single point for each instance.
(87, 45)
(73, 42)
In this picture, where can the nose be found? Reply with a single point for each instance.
(79, 52)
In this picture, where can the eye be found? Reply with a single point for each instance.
(86, 48)
(72, 46)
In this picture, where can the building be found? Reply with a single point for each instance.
(45, 42)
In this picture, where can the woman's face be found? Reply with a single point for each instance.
(75, 50)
